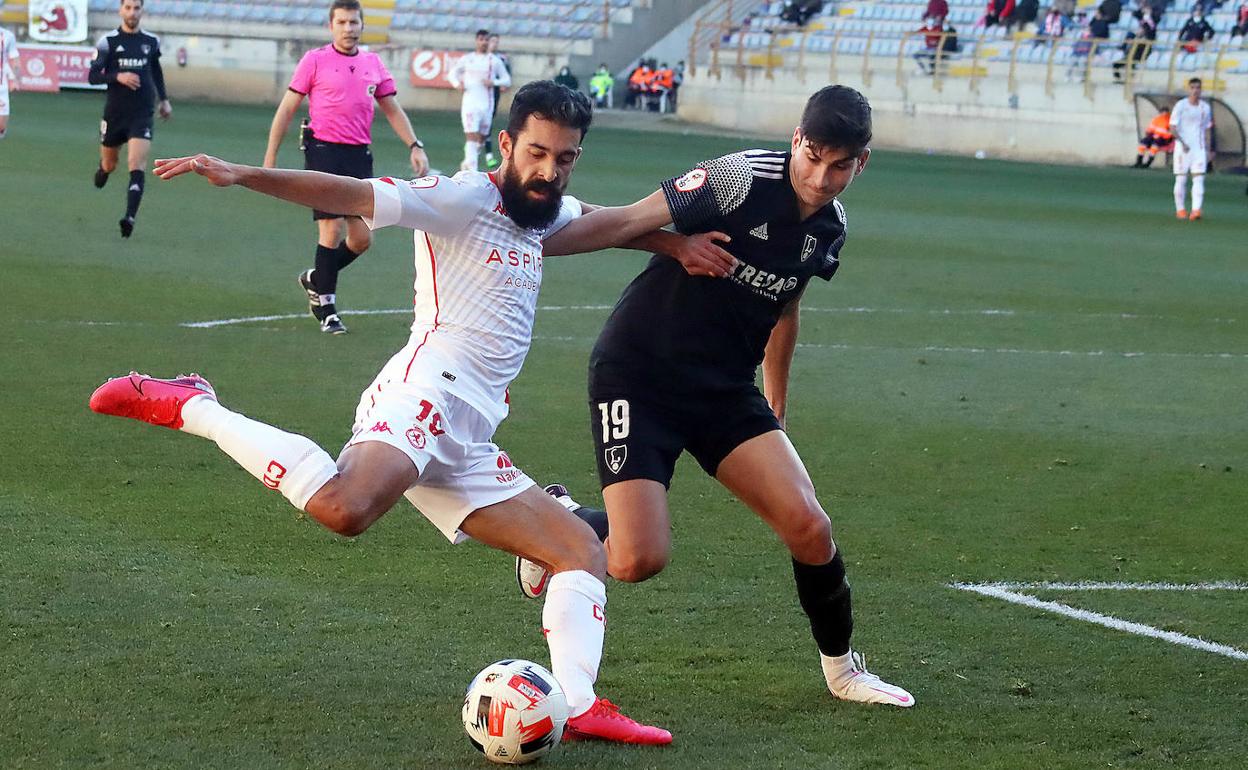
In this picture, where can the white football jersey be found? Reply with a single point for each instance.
(1189, 121)
(471, 70)
(8, 55)
(477, 278)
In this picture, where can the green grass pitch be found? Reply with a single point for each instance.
(1021, 373)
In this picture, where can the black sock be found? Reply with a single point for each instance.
(134, 195)
(594, 518)
(824, 595)
(1150, 160)
(488, 146)
(325, 278)
(344, 257)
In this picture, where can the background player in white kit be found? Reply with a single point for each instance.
(1191, 120)
(477, 74)
(8, 75)
(423, 430)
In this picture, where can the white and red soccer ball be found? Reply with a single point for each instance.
(515, 712)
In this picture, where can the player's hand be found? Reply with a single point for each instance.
(165, 110)
(700, 255)
(217, 171)
(130, 80)
(420, 161)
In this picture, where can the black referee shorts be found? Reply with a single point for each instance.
(354, 160)
(639, 433)
(116, 130)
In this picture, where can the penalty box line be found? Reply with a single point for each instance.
(1011, 592)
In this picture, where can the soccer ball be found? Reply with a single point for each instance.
(514, 712)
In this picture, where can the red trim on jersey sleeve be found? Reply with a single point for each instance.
(437, 307)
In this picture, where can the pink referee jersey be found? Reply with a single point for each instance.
(342, 92)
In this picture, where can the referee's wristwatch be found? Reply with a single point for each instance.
(416, 145)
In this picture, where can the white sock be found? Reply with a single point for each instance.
(1198, 191)
(1180, 191)
(287, 462)
(574, 622)
(837, 670)
(471, 151)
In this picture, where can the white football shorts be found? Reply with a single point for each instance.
(446, 438)
(1194, 162)
(476, 116)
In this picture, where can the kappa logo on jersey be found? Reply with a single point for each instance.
(616, 455)
(416, 437)
(760, 232)
(507, 471)
(691, 181)
(808, 247)
(381, 427)
(498, 209)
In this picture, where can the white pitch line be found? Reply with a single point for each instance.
(1217, 585)
(1107, 621)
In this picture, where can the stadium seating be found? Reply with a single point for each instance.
(889, 25)
(566, 19)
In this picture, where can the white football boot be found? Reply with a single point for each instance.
(533, 577)
(848, 679)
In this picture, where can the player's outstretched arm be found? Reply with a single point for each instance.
(610, 226)
(313, 189)
(699, 254)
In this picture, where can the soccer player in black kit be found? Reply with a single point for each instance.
(674, 368)
(128, 60)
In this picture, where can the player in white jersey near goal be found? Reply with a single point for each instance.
(424, 428)
(1191, 120)
(477, 74)
(8, 75)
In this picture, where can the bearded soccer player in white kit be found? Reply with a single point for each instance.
(423, 430)
(477, 74)
(1191, 121)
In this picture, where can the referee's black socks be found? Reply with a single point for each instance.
(134, 193)
(329, 261)
(824, 595)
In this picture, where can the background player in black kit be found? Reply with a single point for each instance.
(674, 368)
(128, 60)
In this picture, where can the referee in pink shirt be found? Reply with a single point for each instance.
(341, 83)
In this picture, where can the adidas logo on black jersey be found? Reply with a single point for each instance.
(760, 232)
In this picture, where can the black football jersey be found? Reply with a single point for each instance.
(120, 51)
(690, 334)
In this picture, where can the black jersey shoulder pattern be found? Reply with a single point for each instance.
(718, 187)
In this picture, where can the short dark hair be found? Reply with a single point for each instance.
(1195, 82)
(550, 101)
(345, 5)
(837, 116)
(483, 32)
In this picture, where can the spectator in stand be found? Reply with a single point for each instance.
(1195, 31)
(999, 12)
(1026, 12)
(566, 78)
(937, 10)
(1095, 32)
(1137, 43)
(1157, 138)
(1055, 25)
(1111, 11)
(951, 45)
(601, 85)
(1241, 21)
(932, 32)
(800, 11)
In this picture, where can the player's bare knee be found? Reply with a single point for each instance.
(581, 551)
(634, 568)
(809, 537)
(345, 513)
(359, 243)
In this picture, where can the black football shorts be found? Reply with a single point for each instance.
(116, 130)
(354, 160)
(639, 434)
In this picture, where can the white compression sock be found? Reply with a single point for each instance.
(574, 622)
(1198, 191)
(471, 151)
(1180, 191)
(287, 462)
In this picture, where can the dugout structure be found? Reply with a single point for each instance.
(1229, 145)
